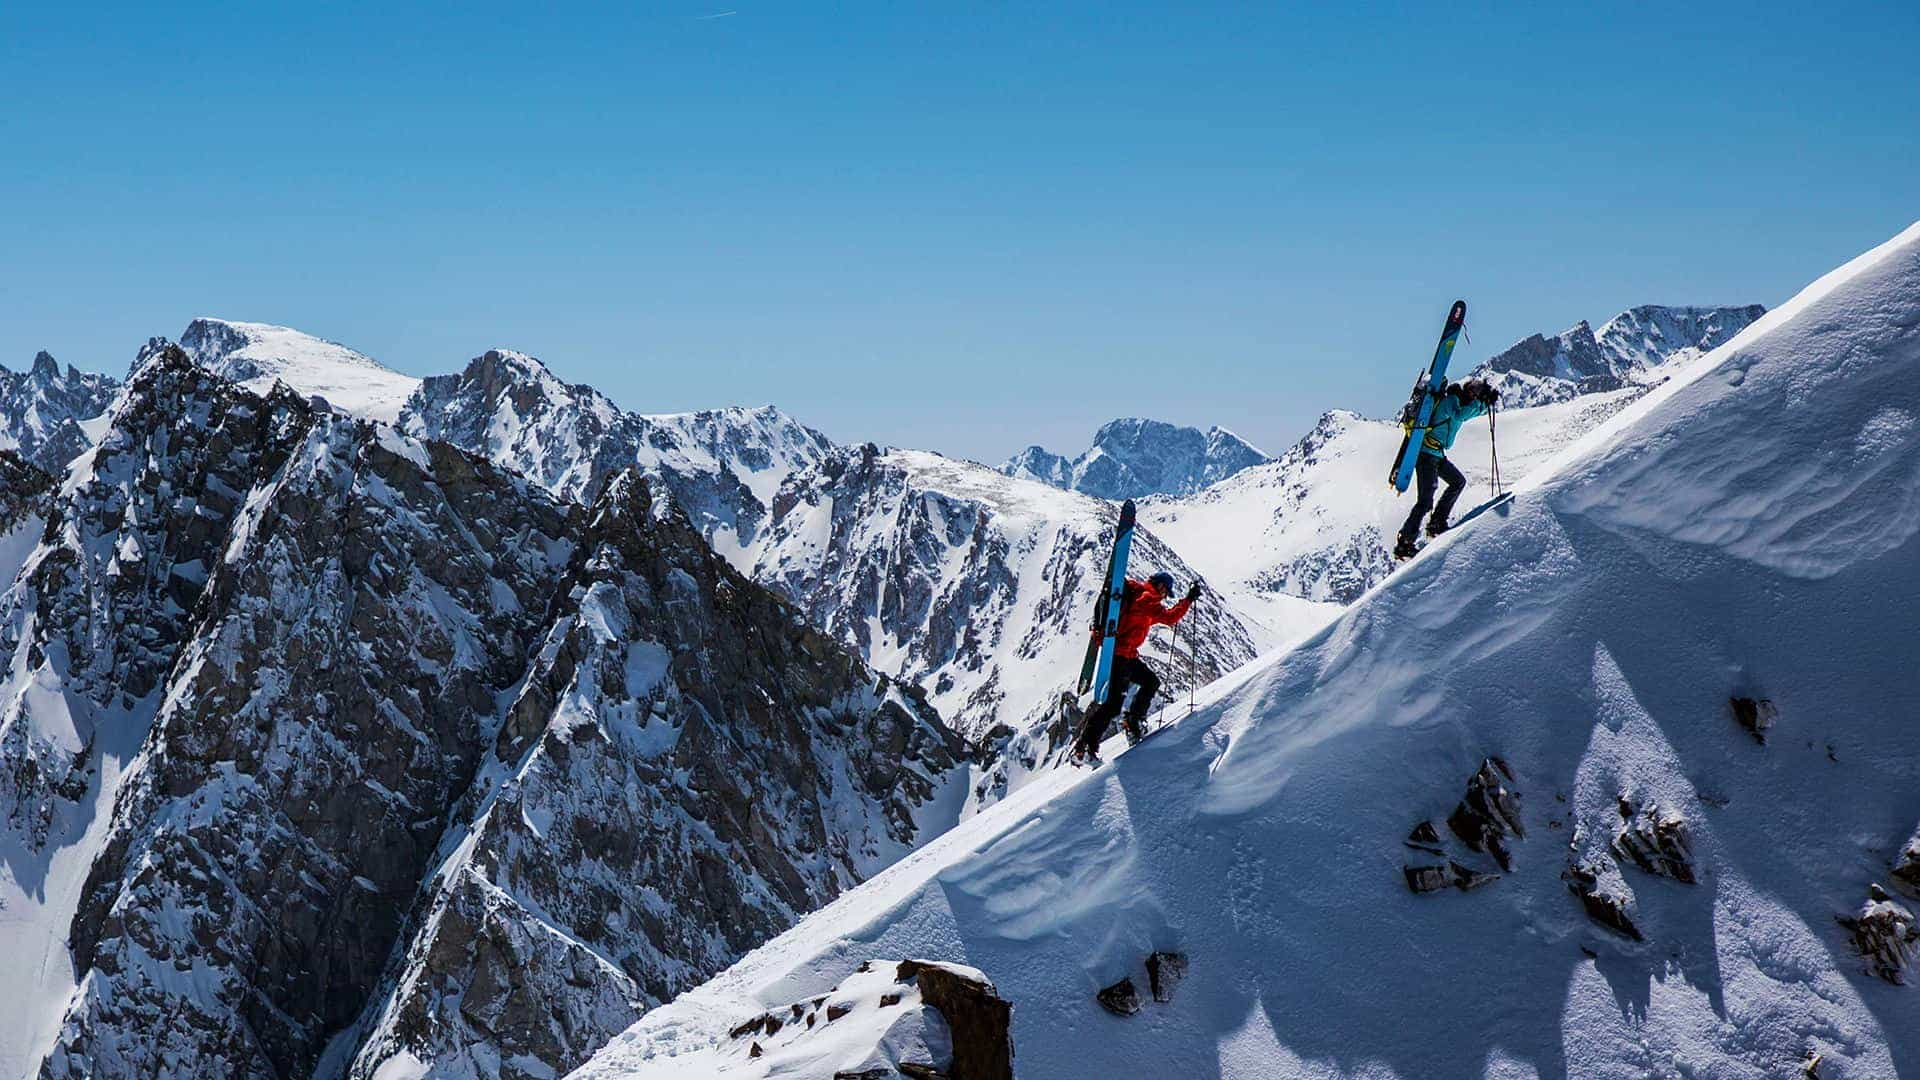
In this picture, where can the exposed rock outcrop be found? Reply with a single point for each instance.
(1604, 902)
(1757, 715)
(1487, 818)
(1885, 934)
(1906, 866)
(1655, 840)
(914, 1018)
(1120, 999)
(1165, 970)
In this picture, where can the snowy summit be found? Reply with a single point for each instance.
(257, 355)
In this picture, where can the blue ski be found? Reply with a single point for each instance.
(1494, 503)
(1419, 410)
(1107, 613)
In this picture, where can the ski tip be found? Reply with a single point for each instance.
(1126, 512)
(1458, 314)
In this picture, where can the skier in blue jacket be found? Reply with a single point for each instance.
(1452, 407)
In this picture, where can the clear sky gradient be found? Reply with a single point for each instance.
(966, 227)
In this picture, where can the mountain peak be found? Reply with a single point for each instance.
(1136, 456)
(259, 354)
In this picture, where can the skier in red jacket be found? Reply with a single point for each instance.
(1143, 606)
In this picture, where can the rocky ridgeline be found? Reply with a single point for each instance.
(721, 465)
(1132, 458)
(1628, 348)
(432, 765)
(42, 408)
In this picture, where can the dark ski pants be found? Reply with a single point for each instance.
(1427, 472)
(1128, 671)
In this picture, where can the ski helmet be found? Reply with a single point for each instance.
(1162, 581)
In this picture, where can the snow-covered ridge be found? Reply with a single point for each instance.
(48, 415)
(723, 465)
(1590, 641)
(256, 355)
(1132, 458)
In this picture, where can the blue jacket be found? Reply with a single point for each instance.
(1449, 412)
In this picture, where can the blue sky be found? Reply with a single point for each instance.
(963, 227)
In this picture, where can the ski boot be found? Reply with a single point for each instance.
(1404, 549)
(1136, 730)
(1437, 525)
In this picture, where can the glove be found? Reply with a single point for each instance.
(1193, 592)
(1490, 395)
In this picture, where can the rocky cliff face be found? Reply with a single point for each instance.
(976, 585)
(1133, 458)
(43, 410)
(402, 718)
(1626, 349)
(722, 465)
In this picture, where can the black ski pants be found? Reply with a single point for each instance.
(1427, 472)
(1128, 671)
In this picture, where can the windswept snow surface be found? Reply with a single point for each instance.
(1748, 528)
(257, 355)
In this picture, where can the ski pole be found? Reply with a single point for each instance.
(1190, 675)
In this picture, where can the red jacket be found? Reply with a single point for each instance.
(1141, 609)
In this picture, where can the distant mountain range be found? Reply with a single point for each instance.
(1132, 458)
(1627, 348)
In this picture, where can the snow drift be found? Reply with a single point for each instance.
(1746, 530)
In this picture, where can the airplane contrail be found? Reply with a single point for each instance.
(716, 15)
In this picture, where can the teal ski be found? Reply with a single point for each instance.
(1419, 410)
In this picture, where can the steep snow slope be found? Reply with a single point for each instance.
(1132, 458)
(1591, 640)
(257, 355)
(976, 585)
